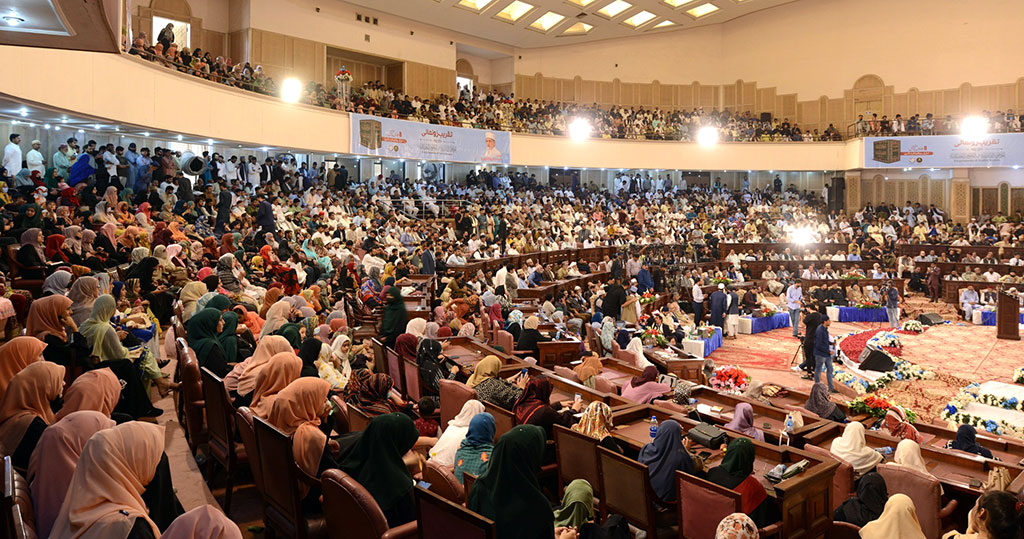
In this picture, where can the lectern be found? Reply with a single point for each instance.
(1008, 317)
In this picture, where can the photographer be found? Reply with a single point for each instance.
(892, 304)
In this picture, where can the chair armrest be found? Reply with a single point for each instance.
(198, 403)
(305, 478)
(409, 529)
(948, 509)
(770, 530)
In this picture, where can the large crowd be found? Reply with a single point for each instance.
(271, 267)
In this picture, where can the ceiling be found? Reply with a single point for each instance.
(63, 24)
(545, 23)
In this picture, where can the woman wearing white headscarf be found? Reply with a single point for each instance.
(908, 455)
(636, 346)
(607, 333)
(83, 293)
(189, 296)
(416, 326)
(277, 316)
(898, 519)
(57, 283)
(444, 450)
(852, 448)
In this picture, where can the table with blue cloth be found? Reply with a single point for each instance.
(853, 314)
(988, 318)
(768, 323)
(703, 347)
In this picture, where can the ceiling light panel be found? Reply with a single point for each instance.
(514, 11)
(702, 10)
(614, 9)
(578, 29)
(664, 24)
(475, 5)
(547, 21)
(639, 19)
(676, 3)
(581, 3)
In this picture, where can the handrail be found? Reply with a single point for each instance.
(941, 126)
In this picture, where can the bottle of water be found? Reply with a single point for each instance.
(789, 424)
(654, 426)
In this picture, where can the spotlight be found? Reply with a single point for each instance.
(707, 136)
(579, 130)
(974, 127)
(180, 138)
(23, 112)
(291, 90)
(146, 134)
(802, 236)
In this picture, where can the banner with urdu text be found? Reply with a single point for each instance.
(386, 137)
(993, 150)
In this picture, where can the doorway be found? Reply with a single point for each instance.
(182, 31)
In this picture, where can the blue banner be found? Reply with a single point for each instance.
(994, 150)
(386, 137)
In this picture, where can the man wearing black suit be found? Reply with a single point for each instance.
(265, 215)
(427, 260)
(265, 170)
(614, 297)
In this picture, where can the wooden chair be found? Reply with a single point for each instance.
(443, 482)
(843, 530)
(627, 490)
(221, 429)
(341, 424)
(17, 516)
(411, 374)
(703, 504)
(352, 513)
(393, 367)
(576, 455)
(842, 480)
(439, 518)
(504, 420)
(467, 483)
(283, 512)
(454, 395)
(358, 420)
(926, 493)
(34, 286)
(247, 432)
(191, 395)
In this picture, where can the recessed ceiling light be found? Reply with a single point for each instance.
(613, 9)
(639, 19)
(702, 10)
(23, 112)
(547, 21)
(46, 126)
(209, 141)
(180, 137)
(579, 28)
(582, 3)
(146, 134)
(475, 5)
(514, 11)
(81, 130)
(664, 24)
(677, 3)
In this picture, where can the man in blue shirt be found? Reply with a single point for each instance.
(822, 354)
(794, 297)
(644, 280)
(892, 305)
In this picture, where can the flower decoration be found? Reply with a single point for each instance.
(730, 379)
(913, 326)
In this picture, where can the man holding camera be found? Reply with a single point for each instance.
(892, 304)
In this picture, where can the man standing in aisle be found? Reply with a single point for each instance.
(614, 297)
(12, 156)
(698, 301)
(822, 355)
(892, 305)
(794, 297)
(732, 312)
(35, 160)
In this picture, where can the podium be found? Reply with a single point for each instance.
(1008, 317)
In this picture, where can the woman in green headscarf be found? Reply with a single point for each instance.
(375, 461)
(737, 473)
(227, 338)
(395, 317)
(577, 505)
(508, 492)
(293, 333)
(204, 330)
(219, 302)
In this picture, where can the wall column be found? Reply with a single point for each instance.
(960, 195)
(852, 192)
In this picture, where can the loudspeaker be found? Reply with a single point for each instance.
(877, 361)
(930, 319)
(192, 165)
(766, 116)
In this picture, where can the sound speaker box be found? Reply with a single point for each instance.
(877, 361)
(930, 319)
(766, 116)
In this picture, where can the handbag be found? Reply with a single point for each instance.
(708, 436)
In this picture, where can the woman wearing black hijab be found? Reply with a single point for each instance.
(395, 317)
(967, 440)
(737, 473)
(867, 505)
(161, 302)
(530, 336)
(223, 211)
(375, 461)
(309, 352)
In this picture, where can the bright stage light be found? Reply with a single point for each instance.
(579, 130)
(291, 90)
(974, 127)
(707, 136)
(802, 236)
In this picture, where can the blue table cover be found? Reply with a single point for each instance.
(768, 323)
(853, 314)
(988, 318)
(712, 344)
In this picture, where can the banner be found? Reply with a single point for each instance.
(386, 137)
(993, 150)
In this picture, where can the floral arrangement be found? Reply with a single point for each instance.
(854, 343)
(654, 336)
(866, 305)
(721, 280)
(953, 412)
(876, 405)
(1018, 375)
(702, 332)
(648, 297)
(884, 339)
(852, 276)
(913, 326)
(858, 384)
(764, 312)
(730, 379)
(903, 370)
(343, 75)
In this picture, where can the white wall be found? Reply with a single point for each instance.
(213, 12)
(992, 177)
(481, 67)
(814, 48)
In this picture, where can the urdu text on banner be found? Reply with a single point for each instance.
(993, 150)
(401, 139)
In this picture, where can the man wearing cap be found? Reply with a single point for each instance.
(35, 160)
(492, 155)
(718, 302)
(12, 156)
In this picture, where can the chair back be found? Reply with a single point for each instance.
(625, 356)
(411, 372)
(505, 340)
(283, 502)
(576, 455)
(358, 420)
(605, 385)
(219, 415)
(595, 343)
(439, 518)
(454, 395)
(842, 480)
(443, 482)
(485, 325)
(170, 336)
(341, 423)
(504, 420)
(379, 358)
(349, 509)
(191, 392)
(467, 482)
(627, 489)
(394, 369)
(843, 530)
(495, 328)
(247, 431)
(17, 515)
(702, 505)
(924, 490)
(567, 373)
